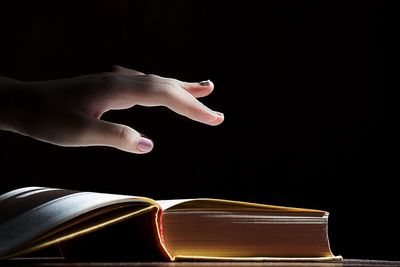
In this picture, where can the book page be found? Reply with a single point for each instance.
(28, 213)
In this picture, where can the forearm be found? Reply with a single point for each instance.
(10, 92)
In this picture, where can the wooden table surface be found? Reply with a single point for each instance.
(62, 263)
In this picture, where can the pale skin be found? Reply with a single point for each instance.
(67, 112)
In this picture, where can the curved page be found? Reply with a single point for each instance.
(28, 213)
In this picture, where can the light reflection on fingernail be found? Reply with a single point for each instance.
(205, 83)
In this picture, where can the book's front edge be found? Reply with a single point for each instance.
(160, 235)
(260, 259)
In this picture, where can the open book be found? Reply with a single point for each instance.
(100, 226)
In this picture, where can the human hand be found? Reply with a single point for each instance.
(67, 112)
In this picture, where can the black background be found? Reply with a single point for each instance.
(300, 83)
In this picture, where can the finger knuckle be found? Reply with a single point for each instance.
(109, 79)
(175, 83)
(158, 88)
(166, 92)
(126, 136)
(152, 76)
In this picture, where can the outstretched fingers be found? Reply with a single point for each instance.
(181, 97)
(153, 90)
(184, 103)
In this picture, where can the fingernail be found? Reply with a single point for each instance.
(205, 83)
(145, 145)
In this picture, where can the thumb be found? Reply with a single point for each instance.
(119, 136)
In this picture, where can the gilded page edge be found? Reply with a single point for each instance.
(243, 203)
(273, 259)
